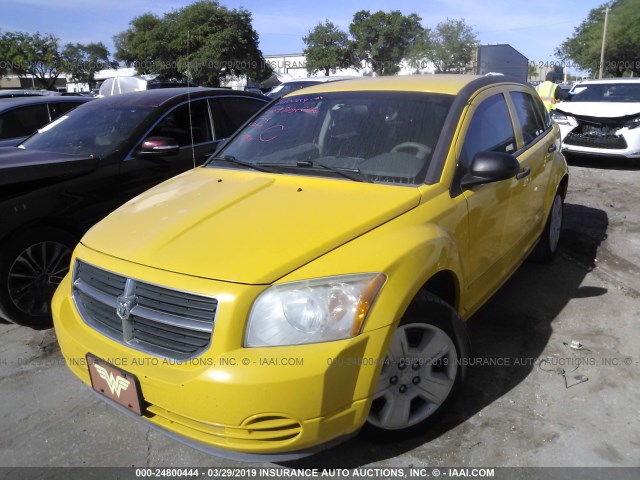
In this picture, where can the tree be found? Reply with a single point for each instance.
(82, 62)
(142, 44)
(36, 55)
(383, 39)
(327, 49)
(452, 46)
(420, 50)
(204, 41)
(622, 54)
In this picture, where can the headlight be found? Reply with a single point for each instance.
(559, 117)
(312, 311)
(633, 123)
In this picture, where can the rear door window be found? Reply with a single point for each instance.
(185, 124)
(230, 113)
(530, 122)
(58, 109)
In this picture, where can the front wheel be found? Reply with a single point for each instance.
(32, 266)
(421, 373)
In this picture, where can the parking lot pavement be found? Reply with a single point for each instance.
(530, 400)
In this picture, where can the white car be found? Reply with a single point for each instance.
(296, 84)
(601, 119)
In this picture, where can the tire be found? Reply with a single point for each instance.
(547, 248)
(422, 373)
(32, 265)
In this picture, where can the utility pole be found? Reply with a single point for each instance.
(604, 39)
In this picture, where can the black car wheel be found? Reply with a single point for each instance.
(32, 265)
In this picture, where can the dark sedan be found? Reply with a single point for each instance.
(76, 170)
(21, 116)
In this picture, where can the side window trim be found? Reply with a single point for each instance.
(50, 111)
(212, 124)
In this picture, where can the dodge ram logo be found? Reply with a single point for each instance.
(125, 305)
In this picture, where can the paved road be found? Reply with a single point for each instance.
(508, 414)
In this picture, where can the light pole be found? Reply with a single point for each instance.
(604, 39)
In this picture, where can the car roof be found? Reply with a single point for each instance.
(13, 102)
(159, 96)
(446, 83)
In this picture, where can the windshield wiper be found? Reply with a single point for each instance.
(235, 161)
(350, 173)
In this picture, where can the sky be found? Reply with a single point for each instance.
(534, 29)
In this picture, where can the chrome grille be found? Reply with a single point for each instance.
(147, 317)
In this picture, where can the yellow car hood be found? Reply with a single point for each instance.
(242, 226)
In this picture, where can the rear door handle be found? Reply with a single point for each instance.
(552, 148)
(524, 173)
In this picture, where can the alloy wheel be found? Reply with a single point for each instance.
(35, 274)
(417, 378)
(556, 223)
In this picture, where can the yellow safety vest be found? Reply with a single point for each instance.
(547, 92)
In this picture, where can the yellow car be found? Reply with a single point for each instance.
(315, 276)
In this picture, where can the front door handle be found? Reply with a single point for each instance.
(524, 173)
(552, 148)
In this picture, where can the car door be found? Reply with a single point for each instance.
(494, 228)
(535, 149)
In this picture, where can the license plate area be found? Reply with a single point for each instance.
(115, 384)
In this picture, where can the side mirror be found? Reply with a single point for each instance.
(158, 147)
(488, 167)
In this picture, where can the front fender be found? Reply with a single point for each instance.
(407, 252)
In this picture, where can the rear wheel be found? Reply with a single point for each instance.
(547, 247)
(31, 267)
(421, 373)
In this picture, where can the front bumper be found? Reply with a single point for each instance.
(283, 402)
(625, 144)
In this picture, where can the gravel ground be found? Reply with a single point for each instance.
(520, 412)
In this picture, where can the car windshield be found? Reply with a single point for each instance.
(383, 137)
(90, 130)
(607, 92)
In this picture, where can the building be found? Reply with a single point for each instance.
(100, 76)
(29, 82)
(502, 59)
